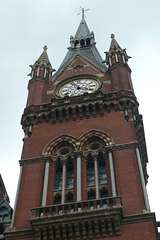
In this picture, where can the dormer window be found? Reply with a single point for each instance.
(88, 41)
(82, 42)
(76, 43)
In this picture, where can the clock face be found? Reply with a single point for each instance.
(78, 87)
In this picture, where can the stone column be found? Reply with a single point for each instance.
(96, 177)
(142, 180)
(63, 182)
(78, 156)
(113, 182)
(45, 184)
(16, 199)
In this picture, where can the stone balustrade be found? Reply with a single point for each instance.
(77, 207)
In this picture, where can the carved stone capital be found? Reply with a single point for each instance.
(78, 153)
(35, 160)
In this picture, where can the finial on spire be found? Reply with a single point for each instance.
(112, 36)
(45, 48)
(82, 10)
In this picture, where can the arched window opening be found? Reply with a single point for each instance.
(91, 196)
(69, 197)
(104, 194)
(76, 43)
(90, 172)
(63, 158)
(102, 172)
(87, 41)
(82, 42)
(58, 178)
(70, 174)
(57, 199)
(96, 164)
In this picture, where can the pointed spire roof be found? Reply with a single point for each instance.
(114, 43)
(83, 30)
(83, 43)
(43, 59)
(44, 56)
(114, 51)
(42, 63)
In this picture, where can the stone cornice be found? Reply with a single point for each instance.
(122, 146)
(139, 218)
(49, 158)
(35, 160)
(87, 105)
(124, 65)
(19, 234)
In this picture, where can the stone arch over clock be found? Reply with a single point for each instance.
(81, 168)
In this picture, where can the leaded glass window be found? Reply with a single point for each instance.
(70, 178)
(90, 175)
(58, 179)
(102, 173)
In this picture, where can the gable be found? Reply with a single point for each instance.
(79, 64)
(5, 210)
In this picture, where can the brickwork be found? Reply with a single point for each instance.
(128, 181)
(30, 194)
(136, 231)
(114, 126)
(115, 81)
(106, 123)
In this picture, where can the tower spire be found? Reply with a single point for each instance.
(116, 54)
(42, 68)
(83, 42)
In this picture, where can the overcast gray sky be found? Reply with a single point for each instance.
(26, 26)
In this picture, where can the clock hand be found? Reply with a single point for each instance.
(84, 88)
(73, 84)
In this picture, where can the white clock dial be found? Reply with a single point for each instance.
(78, 87)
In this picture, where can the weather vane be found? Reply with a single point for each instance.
(82, 11)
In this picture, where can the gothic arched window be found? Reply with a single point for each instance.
(82, 42)
(58, 177)
(90, 172)
(64, 172)
(76, 43)
(87, 41)
(96, 166)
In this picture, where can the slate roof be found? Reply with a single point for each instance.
(88, 51)
(3, 192)
(83, 30)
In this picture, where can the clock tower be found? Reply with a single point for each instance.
(83, 167)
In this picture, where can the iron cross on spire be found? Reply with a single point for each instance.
(82, 10)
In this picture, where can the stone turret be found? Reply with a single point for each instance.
(116, 54)
(42, 68)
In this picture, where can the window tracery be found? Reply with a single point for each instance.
(96, 166)
(81, 167)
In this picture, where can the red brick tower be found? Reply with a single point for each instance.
(83, 166)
